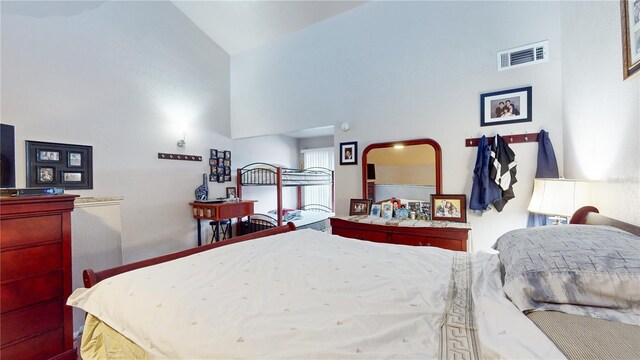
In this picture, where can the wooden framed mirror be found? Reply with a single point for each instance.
(408, 169)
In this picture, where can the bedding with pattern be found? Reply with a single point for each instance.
(577, 269)
(311, 295)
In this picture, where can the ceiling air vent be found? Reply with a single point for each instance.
(523, 56)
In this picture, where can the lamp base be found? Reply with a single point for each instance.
(557, 220)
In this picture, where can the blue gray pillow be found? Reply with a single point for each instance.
(577, 269)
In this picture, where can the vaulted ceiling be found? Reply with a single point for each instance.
(238, 26)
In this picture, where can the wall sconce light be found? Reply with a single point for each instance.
(181, 142)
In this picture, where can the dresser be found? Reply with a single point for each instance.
(35, 277)
(446, 235)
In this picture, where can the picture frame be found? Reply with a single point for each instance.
(227, 155)
(349, 153)
(74, 159)
(46, 175)
(448, 207)
(376, 210)
(59, 165)
(630, 20)
(359, 207)
(506, 106)
(220, 155)
(71, 177)
(387, 210)
(425, 208)
(47, 155)
(213, 154)
(231, 191)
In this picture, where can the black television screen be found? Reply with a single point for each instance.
(7, 156)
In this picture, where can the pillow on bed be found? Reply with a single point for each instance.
(284, 211)
(577, 269)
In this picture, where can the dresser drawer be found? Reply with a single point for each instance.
(40, 347)
(375, 236)
(31, 321)
(426, 241)
(25, 262)
(27, 231)
(25, 292)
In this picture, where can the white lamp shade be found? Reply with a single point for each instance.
(559, 196)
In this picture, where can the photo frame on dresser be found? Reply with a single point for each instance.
(449, 207)
(63, 165)
(630, 20)
(359, 207)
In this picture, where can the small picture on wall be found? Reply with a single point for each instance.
(349, 153)
(213, 153)
(71, 177)
(75, 159)
(220, 155)
(213, 162)
(46, 175)
(227, 155)
(48, 155)
(449, 207)
(506, 107)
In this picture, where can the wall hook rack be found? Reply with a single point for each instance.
(168, 156)
(511, 139)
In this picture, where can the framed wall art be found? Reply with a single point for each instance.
(349, 153)
(506, 107)
(449, 207)
(630, 19)
(60, 165)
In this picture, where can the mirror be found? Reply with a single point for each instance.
(409, 169)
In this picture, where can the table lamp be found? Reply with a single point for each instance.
(559, 198)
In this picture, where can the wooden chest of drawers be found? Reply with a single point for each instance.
(452, 238)
(35, 277)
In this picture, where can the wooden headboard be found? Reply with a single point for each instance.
(591, 216)
(90, 277)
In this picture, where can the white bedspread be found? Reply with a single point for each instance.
(303, 294)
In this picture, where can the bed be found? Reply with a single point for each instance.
(308, 294)
(313, 216)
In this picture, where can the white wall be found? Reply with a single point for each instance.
(601, 111)
(122, 77)
(406, 70)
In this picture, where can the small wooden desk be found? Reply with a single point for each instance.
(220, 211)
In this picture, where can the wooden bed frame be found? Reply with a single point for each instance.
(590, 215)
(585, 215)
(90, 277)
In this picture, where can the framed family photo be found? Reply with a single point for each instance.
(449, 208)
(506, 107)
(65, 165)
(349, 153)
(359, 207)
(630, 19)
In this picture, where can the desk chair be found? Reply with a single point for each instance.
(225, 230)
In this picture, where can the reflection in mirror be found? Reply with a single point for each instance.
(404, 169)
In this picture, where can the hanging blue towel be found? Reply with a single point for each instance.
(484, 191)
(547, 168)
